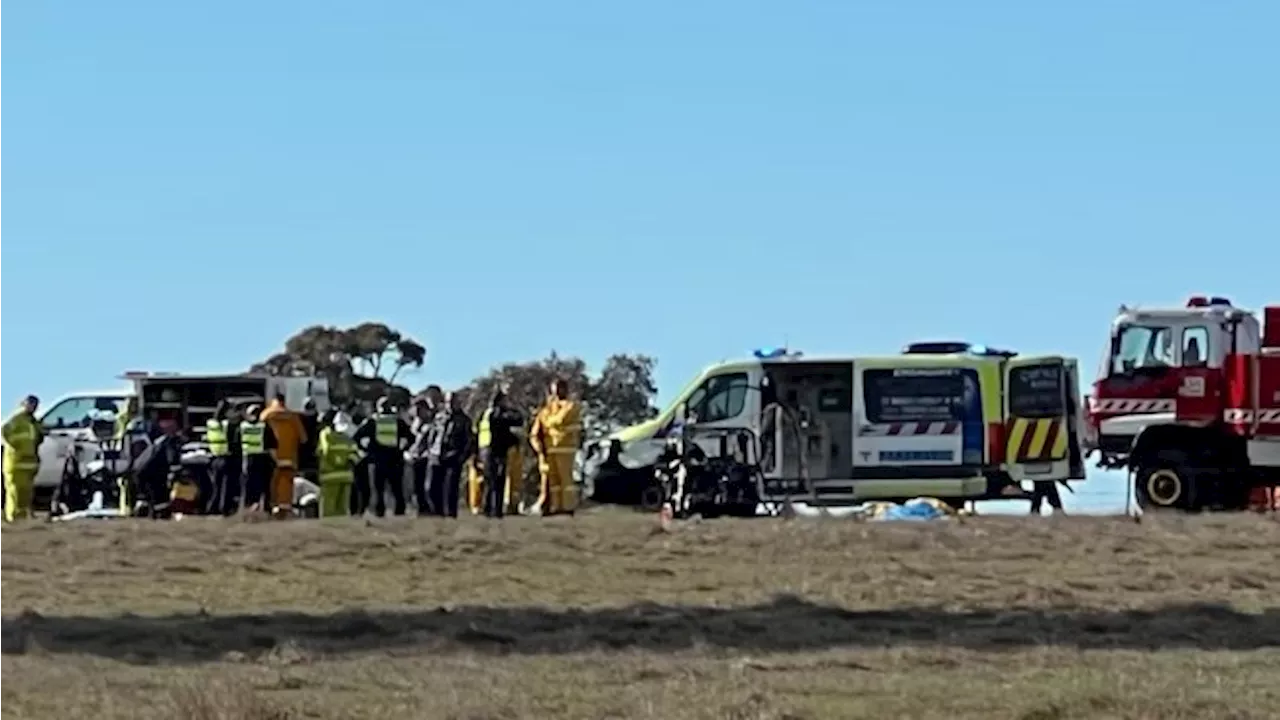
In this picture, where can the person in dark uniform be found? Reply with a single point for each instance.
(222, 433)
(308, 462)
(152, 471)
(495, 436)
(384, 438)
(449, 446)
(361, 490)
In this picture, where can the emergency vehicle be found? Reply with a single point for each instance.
(948, 420)
(1188, 400)
(73, 423)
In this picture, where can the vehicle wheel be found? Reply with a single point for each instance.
(1168, 483)
(652, 497)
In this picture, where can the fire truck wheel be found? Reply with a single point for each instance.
(1165, 485)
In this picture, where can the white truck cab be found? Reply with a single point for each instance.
(68, 426)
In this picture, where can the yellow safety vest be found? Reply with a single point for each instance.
(253, 439)
(216, 435)
(387, 431)
(336, 453)
(484, 435)
(123, 418)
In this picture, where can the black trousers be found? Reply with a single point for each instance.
(257, 476)
(388, 470)
(1045, 490)
(444, 482)
(225, 471)
(495, 483)
(420, 494)
(360, 488)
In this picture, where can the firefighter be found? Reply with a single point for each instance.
(449, 447)
(475, 479)
(556, 436)
(22, 438)
(257, 462)
(336, 457)
(385, 437)
(222, 432)
(495, 437)
(285, 436)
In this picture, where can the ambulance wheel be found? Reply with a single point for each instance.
(1166, 483)
(652, 497)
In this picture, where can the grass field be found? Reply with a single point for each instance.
(604, 616)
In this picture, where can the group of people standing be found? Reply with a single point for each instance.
(359, 461)
(258, 452)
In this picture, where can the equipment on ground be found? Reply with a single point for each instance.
(1188, 400)
(695, 483)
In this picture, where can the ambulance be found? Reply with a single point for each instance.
(950, 420)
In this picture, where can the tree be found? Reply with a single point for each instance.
(622, 394)
(362, 363)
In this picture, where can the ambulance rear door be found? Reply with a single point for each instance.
(1042, 419)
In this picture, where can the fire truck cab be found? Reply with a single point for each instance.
(1168, 388)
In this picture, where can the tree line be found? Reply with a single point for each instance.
(367, 361)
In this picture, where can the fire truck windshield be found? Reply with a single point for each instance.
(1142, 346)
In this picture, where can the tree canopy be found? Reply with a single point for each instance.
(362, 363)
(367, 361)
(621, 394)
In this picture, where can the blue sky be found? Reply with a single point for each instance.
(689, 180)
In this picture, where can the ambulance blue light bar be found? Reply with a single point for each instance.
(770, 353)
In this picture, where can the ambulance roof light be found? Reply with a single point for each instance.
(770, 353)
(1219, 300)
(1197, 301)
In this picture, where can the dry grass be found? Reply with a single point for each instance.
(600, 616)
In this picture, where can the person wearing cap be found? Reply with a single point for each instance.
(222, 433)
(336, 456)
(22, 438)
(257, 462)
(384, 438)
(307, 457)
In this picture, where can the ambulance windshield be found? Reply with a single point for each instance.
(1142, 346)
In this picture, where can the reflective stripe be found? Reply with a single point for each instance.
(562, 450)
(387, 432)
(484, 434)
(253, 438)
(336, 476)
(215, 433)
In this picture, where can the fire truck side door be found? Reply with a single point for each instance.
(1041, 412)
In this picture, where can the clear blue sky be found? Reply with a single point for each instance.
(685, 179)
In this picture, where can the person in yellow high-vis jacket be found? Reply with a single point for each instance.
(22, 438)
(556, 436)
(336, 454)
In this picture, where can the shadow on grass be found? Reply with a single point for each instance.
(786, 624)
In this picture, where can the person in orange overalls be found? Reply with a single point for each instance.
(285, 436)
(556, 436)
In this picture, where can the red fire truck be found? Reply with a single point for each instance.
(1188, 400)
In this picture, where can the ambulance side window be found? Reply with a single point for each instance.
(72, 413)
(719, 398)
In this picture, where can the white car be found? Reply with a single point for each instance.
(68, 426)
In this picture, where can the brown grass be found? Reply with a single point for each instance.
(600, 616)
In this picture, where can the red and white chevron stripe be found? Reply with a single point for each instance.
(1245, 415)
(1132, 405)
(911, 428)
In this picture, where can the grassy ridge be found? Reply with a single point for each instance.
(604, 616)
